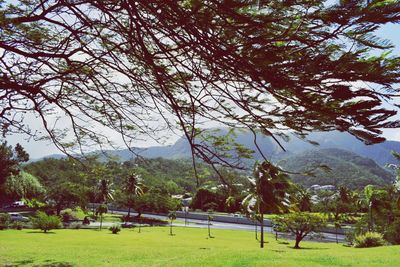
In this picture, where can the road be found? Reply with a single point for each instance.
(195, 223)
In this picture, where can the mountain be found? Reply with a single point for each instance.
(347, 168)
(380, 153)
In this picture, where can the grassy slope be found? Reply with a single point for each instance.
(189, 247)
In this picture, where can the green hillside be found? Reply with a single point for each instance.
(347, 167)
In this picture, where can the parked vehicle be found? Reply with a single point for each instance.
(18, 204)
(16, 217)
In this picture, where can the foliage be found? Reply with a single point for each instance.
(347, 169)
(65, 195)
(300, 224)
(268, 192)
(369, 239)
(21, 186)
(68, 215)
(205, 199)
(290, 64)
(17, 225)
(5, 220)
(10, 159)
(155, 202)
(45, 222)
(392, 234)
(115, 229)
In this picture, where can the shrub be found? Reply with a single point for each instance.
(145, 220)
(4, 220)
(46, 222)
(115, 229)
(68, 215)
(17, 225)
(369, 239)
(392, 234)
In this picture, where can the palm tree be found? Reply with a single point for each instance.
(101, 210)
(171, 217)
(132, 188)
(268, 192)
(104, 191)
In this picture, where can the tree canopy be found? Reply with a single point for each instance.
(138, 67)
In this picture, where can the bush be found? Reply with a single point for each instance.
(17, 225)
(392, 234)
(46, 222)
(5, 220)
(115, 229)
(68, 215)
(369, 239)
(144, 220)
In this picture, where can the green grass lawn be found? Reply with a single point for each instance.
(189, 247)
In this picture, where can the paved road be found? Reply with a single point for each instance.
(326, 237)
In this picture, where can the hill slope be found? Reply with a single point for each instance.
(347, 167)
(380, 153)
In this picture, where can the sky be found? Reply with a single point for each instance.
(38, 149)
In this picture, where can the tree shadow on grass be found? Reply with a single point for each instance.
(303, 248)
(20, 263)
(49, 263)
(56, 264)
(39, 232)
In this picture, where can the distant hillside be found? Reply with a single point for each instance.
(380, 153)
(347, 167)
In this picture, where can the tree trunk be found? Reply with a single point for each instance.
(298, 239)
(262, 231)
(255, 230)
(58, 210)
(209, 233)
(101, 221)
(337, 241)
(129, 214)
(170, 228)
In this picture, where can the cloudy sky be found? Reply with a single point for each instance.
(39, 149)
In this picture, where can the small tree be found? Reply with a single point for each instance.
(171, 217)
(300, 224)
(210, 218)
(4, 220)
(101, 210)
(338, 225)
(115, 229)
(46, 222)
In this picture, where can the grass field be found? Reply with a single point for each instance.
(189, 247)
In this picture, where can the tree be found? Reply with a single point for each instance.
(64, 195)
(209, 219)
(276, 67)
(268, 192)
(104, 191)
(101, 209)
(303, 200)
(171, 217)
(10, 159)
(132, 187)
(375, 199)
(300, 224)
(46, 222)
(21, 186)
